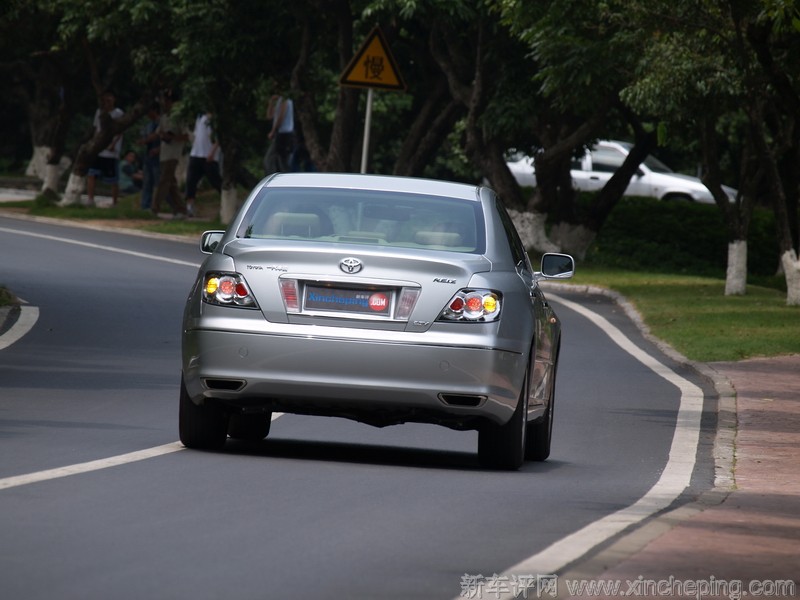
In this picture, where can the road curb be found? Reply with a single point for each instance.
(629, 543)
(94, 226)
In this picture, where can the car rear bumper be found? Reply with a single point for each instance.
(328, 375)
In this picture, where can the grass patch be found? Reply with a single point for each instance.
(6, 297)
(692, 314)
(128, 213)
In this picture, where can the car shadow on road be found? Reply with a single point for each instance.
(356, 453)
(369, 454)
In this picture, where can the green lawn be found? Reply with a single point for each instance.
(693, 315)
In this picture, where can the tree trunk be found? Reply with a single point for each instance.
(789, 262)
(75, 186)
(340, 151)
(573, 238)
(48, 172)
(229, 205)
(791, 270)
(736, 274)
(101, 139)
(432, 125)
(532, 232)
(36, 165)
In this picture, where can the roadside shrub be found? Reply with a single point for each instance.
(677, 237)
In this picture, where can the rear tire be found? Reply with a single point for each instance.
(540, 432)
(502, 447)
(203, 427)
(249, 427)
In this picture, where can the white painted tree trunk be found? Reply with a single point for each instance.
(37, 163)
(75, 187)
(228, 205)
(531, 229)
(52, 174)
(736, 275)
(573, 239)
(49, 174)
(791, 270)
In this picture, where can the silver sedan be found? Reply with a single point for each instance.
(381, 299)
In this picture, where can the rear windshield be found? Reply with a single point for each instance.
(366, 217)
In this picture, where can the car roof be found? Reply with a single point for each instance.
(389, 183)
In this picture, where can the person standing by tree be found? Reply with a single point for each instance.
(203, 160)
(173, 137)
(280, 111)
(106, 163)
(150, 161)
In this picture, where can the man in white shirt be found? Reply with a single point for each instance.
(203, 161)
(173, 138)
(106, 163)
(281, 111)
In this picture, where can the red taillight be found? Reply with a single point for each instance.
(227, 289)
(457, 304)
(472, 306)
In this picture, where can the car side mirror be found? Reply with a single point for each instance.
(557, 266)
(210, 240)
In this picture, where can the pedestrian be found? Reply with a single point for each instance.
(130, 174)
(280, 111)
(106, 163)
(173, 138)
(149, 138)
(300, 159)
(203, 160)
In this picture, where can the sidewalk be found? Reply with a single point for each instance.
(16, 195)
(753, 534)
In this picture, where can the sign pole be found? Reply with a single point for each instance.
(367, 128)
(373, 66)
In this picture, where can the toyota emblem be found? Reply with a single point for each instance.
(350, 265)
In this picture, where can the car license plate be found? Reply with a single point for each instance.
(376, 302)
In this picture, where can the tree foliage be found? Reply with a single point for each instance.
(715, 79)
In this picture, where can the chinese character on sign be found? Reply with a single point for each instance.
(471, 585)
(373, 67)
(522, 583)
(546, 584)
(497, 585)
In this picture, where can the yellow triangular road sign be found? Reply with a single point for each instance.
(373, 65)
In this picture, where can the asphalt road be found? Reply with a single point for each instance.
(324, 508)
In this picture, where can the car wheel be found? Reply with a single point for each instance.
(202, 427)
(249, 427)
(503, 446)
(540, 432)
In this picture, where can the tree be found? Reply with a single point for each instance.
(584, 54)
(46, 79)
(695, 78)
(773, 34)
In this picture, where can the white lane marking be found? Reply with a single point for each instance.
(101, 247)
(94, 465)
(27, 319)
(674, 479)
